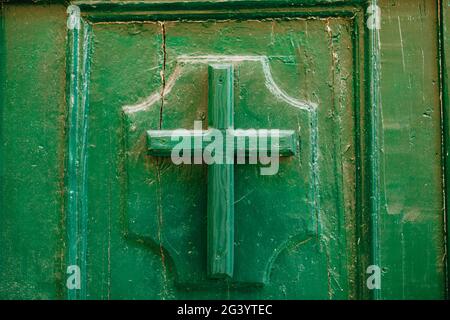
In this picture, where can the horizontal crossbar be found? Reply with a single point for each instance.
(161, 142)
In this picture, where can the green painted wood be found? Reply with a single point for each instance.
(253, 255)
(160, 142)
(32, 231)
(373, 145)
(366, 187)
(444, 37)
(411, 221)
(79, 35)
(220, 218)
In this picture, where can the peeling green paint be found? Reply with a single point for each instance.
(367, 183)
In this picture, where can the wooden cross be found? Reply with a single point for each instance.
(220, 216)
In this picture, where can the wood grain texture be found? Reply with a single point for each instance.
(220, 219)
(366, 187)
(161, 142)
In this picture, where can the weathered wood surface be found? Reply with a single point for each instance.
(135, 224)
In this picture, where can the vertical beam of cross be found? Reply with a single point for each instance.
(220, 219)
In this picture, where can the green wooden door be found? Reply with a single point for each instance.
(158, 211)
(92, 94)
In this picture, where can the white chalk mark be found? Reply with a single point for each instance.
(73, 20)
(157, 96)
(401, 43)
(269, 81)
